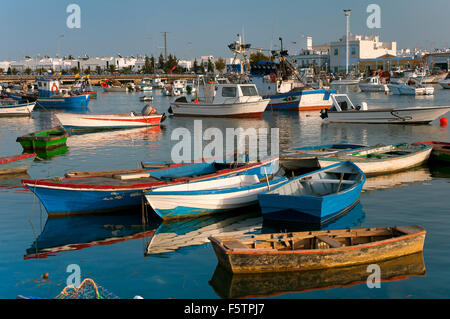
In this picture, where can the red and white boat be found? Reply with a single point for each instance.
(16, 164)
(110, 121)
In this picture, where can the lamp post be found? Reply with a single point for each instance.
(59, 44)
(347, 14)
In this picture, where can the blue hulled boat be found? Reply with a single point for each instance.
(51, 96)
(315, 198)
(88, 192)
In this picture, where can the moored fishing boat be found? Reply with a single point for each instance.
(411, 87)
(74, 122)
(51, 96)
(343, 111)
(445, 83)
(104, 191)
(44, 140)
(306, 157)
(440, 152)
(208, 197)
(11, 109)
(383, 159)
(222, 100)
(316, 249)
(314, 198)
(16, 164)
(373, 84)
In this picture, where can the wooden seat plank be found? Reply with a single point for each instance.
(330, 241)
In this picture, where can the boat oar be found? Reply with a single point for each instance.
(340, 183)
(267, 178)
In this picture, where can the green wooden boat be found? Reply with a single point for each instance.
(441, 150)
(44, 140)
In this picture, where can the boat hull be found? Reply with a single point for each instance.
(250, 109)
(79, 101)
(252, 260)
(384, 166)
(399, 89)
(389, 116)
(16, 164)
(17, 110)
(440, 152)
(308, 100)
(190, 204)
(445, 84)
(373, 87)
(114, 89)
(104, 121)
(44, 140)
(74, 199)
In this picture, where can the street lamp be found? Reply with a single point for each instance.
(59, 37)
(347, 14)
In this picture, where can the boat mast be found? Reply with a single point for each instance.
(347, 14)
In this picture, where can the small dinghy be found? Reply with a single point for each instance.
(79, 122)
(208, 197)
(12, 108)
(315, 198)
(316, 249)
(343, 111)
(146, 98)
(16, 164)
(306, 157)
(383, 159)
(44, 140)
(440, 152)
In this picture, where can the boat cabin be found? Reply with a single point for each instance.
(341, 102)
(230, 93)
(269, 85)
(48, 87)
(375, 80)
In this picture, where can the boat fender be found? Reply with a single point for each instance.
(324, 113)
(148, 109)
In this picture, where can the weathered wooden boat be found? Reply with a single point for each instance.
(306, 157)
(44, 140)
(263, 285)
(222, 100)
(343, 111)
(16, 164)
(11, 109)
(177, 234)
(316, 249)
(440, 152)
(315, 198)
(74, 122)
(105, 191)
(208, 197)
(384, 159)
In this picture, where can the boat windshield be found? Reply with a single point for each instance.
(249, 90)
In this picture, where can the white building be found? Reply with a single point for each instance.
(185, 64)
(360, 47)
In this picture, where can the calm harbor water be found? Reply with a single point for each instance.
(175, 260)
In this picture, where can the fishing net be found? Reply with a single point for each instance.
(87, 290)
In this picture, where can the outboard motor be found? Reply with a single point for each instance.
(148, 110)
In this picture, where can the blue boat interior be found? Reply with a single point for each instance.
(320, 183)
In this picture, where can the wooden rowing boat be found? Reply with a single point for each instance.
(10, 109)
(316, 249)
(440, 152)
(306, 157)
(44, 140)
(16, 164)
(383, 159)
(314, 198)
(209, 197)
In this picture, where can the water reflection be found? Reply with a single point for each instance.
(416, 175)
(227, 285)
(171, 236)
(80, 232)
(354, 218)
(115, 137)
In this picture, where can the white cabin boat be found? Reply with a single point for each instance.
(373, 84)
(222, 100)
(343, 111)
(446, 82)
(410, 87)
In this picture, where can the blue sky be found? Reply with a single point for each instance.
(206, 27)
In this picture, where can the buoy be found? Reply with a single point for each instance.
(45, 276)
(443, 121)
